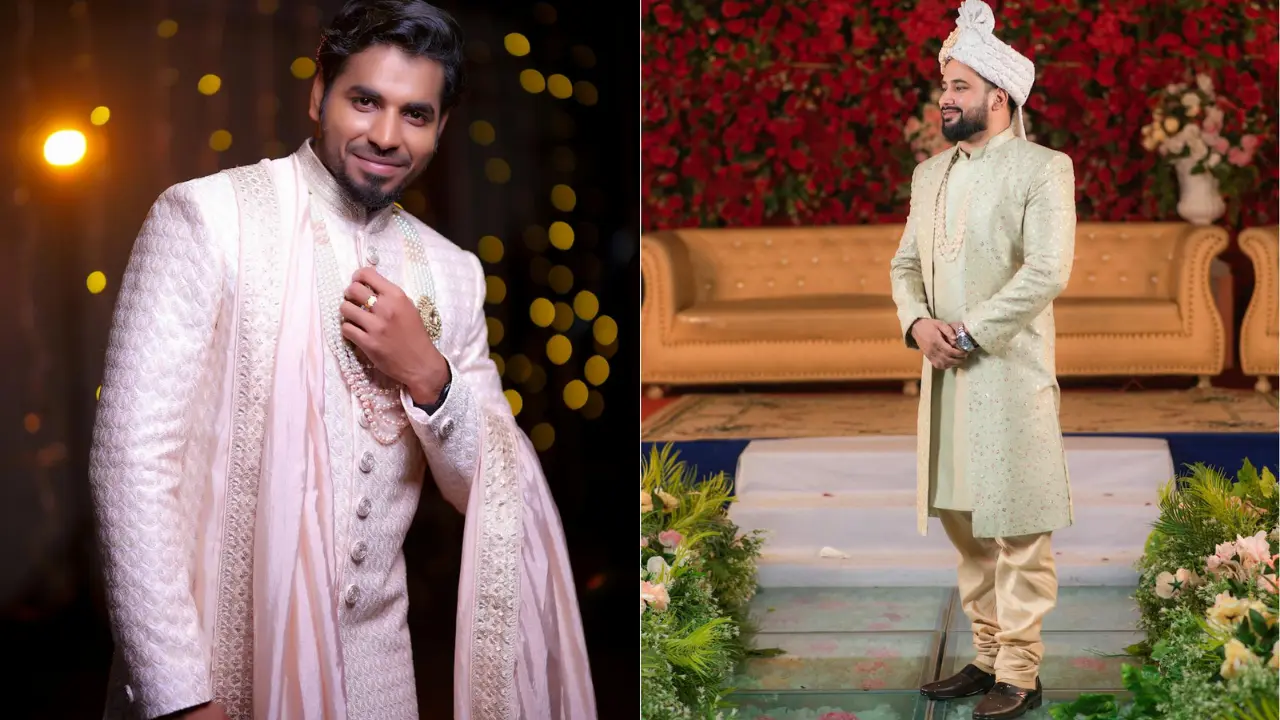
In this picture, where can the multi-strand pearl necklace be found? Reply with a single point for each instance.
(946, 244)
(379, 395)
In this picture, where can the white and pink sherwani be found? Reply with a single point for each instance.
(252, 525)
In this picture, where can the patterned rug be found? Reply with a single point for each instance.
(745, 416)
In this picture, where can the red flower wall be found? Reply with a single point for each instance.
(769, 113)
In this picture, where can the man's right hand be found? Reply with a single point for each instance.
(207, 711)
(936, 340)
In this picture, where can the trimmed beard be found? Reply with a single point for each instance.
(970, 123)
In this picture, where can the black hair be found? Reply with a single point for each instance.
(414, 26)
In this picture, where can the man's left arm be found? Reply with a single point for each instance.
(1049, 238)
(450, 433)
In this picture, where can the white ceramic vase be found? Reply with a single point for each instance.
(1199, 203)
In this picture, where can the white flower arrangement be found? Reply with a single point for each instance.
(1189, 123)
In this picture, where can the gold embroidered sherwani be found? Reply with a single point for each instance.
(990, 460)
(178, 454)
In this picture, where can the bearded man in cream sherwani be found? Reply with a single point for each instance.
(987, 247)
(290, 352)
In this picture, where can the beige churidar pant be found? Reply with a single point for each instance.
(1007, 585)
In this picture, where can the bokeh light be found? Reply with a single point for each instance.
(561, 279)
(535, 238)
(516, 44)
(542, 312)
(564, 317)
(543, 436)
(559, 86)
(515, 401)
(596, 370)
(220, 140)
(65, 147)
(563, 198)
(496, 330)
(544, 13)
(302, 68)
(490, 249)
(559, 349)
(561, 235)
(497, 170)
(96, 282)
(532, 81)
(575, 394)
(586, 305)
(167, 28)
(539, 268)
(583, 55)
(498, 363)
(31, 423)
(97, 394)
(482, 132)
(519, 368)
(100, 115)
(537, 380)
(586, 93)
(605, 330)
(595, 405)
(209, 84)
(495, 290)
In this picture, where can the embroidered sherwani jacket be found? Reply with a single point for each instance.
(1018, 246)
(178, 442)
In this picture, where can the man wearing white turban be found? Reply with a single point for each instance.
(987, 247)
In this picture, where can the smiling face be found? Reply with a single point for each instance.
(967, 102)
(380, 122)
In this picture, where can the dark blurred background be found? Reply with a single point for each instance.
(537, 174)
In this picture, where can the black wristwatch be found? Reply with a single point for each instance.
(433, 407)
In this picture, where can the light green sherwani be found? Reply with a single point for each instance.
(990, 440)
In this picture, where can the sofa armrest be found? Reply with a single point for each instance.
(666, 277)
(1260, 244)
(1197, 247)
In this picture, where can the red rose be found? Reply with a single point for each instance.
(723, 45)
(664, 15)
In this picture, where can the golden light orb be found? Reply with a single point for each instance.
(482, 132)
(65, 147)
(586, 305)
(497, 171)
(561, 235)
(596, 370)
(559, 86)
(100, 115)
(302, 68)
(543, 436)
(209, 84)
(495, 290)
(515, 401)
(605, 330)
(542, 312)
(575, 394)
(532, 81)
(563, 198)
(516, 44)
(220, 140)
(559, 349)
(96, 282)
(496, 330)
(490, 249)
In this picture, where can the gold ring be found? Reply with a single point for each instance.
(368, 304)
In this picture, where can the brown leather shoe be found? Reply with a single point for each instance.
(1006, 701)
(969, 681)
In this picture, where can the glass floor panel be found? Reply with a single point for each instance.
(792, 610)
(1069, 658)
(963, 709)
(830, 706)
(841, 661)
(1079, 608)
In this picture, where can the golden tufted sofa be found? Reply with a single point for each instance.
(1260, 333)
(728, 306)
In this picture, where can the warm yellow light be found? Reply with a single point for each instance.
(303, 68)
(65, 147)
(209, 84)
(605, 330)
(559, 86)
(543, 436)
(167, 28)
(490, 249)
(535, 238)
(100, 115)
(542, 312)
(515, 401)
(586, 305)
(482, 133)
(537, 380)
(498, 363)
(97, 394)
(561, 235)
(586, 93)
(560, 279)
(575, 394)
(495, 290)
(596, 370)
(531, 80)
(496, 330)
(564, 317)
(97, 282)
(32, 423)
(519, 368)
(559, 349)
(563, 197)
(220, 140)
(516, 44)
(497, 170)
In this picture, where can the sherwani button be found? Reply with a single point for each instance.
(446, 427)
(372, 256)
(359, 552)
(363, 508)
(366, 463)
(363, 420)
(128, 692)
(352, 596)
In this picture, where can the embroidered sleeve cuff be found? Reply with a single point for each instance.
(450, 437)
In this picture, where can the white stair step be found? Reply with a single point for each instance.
(886, 520)
(877, 463)
(802, 567)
